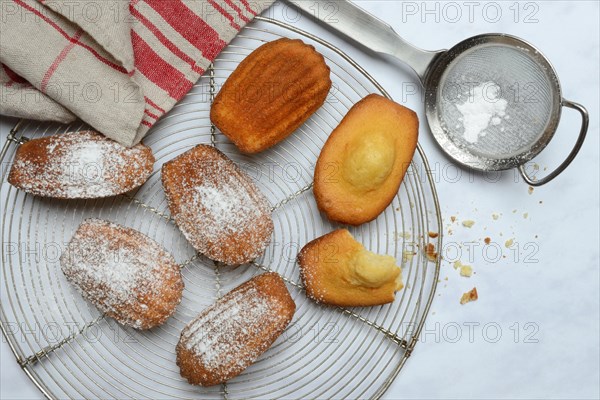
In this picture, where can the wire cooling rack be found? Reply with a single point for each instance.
(70, 350)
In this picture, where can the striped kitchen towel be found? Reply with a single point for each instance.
(119, 65)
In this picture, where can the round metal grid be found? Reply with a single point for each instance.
(69, 350)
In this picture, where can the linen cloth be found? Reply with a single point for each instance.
(119, 65)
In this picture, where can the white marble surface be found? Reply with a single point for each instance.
(534, 330)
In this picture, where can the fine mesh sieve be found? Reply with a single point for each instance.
(493, 101)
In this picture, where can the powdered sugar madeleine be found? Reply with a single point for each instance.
(338, 270)
(217, 206)
(79, 165)
(125, 274)
(230, 335)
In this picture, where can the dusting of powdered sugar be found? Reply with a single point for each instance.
(216, 206)
(116, 268)
(227, 207)
(221, 335)
(483, 107)
(80, 165)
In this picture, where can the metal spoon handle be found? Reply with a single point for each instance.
(368, 30)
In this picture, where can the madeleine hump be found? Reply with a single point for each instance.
(362, 164)
(338, 270)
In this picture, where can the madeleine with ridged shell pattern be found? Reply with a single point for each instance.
(270, 94)
(79, 165)
(230, 335)
(124, 273)
(216, 206)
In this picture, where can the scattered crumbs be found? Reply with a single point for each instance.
(433, 235)
(468, 223)
(495, 216)
(541, 202)
(530, 190)
(515, 211)
(508, 244)
(466, 271)
(525, 215)
(536, 236)
(450, 232)
(536, 167)
(397, 208)
(430, 252)
(470, 296)
(446, 278)
(487, 240)
(453, 218)
(545, 168)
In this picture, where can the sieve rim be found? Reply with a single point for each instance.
(463, 155)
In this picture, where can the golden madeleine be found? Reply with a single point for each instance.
(270, 94)
(338, 270)
(362, 164)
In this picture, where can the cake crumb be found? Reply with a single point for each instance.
(495, 216)
(468, 223)
(430, 252)
(403, 235)
(530, 190)
(470, 296)
(487, 240)
(407, 255)
(453, 218)
(525, 215)
(508, 244)
(433, 235)
(457, 264)
(466, 271)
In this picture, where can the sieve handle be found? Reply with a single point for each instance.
(585, 122)
(368, 30)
